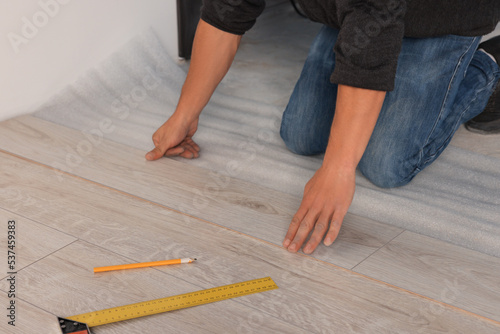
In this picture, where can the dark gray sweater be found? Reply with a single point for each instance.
(370, 31)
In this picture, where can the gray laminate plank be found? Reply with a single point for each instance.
(439, 270)
(30, 241)
(28, 319)
(63, 284)
(239, 205)
(314, 296)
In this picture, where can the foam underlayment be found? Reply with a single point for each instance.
(457, 199)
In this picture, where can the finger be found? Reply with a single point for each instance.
(189, 148)
(294, 226)
(334, 229)
(155, 153)
(184, 150)
(193, 144)
(174, 151)
(306, 225)
(187, 154)
(156, 141)
(292, 230)
(317, 235)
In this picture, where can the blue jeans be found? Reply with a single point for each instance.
(440, 83)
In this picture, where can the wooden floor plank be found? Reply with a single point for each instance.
(439, 270)
(28, 319)
(239, 205)
(113, 227)
(26, 245)
(64, 285)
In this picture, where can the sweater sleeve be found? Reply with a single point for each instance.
(369, 42)
(232, 16)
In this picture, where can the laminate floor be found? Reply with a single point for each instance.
(81, 202)
(77, 211)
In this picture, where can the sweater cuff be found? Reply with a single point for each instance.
(375, 79)
(234, 17)
(217, 24)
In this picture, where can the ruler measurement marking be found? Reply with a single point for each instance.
(162, 305)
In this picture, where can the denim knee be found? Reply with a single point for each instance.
(294, 140)
(385, 171)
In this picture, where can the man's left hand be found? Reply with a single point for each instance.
(327, 197)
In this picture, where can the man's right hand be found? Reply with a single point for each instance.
(213, 53)
(174, 138)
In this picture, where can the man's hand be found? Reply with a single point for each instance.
(327, 197)
(213, 53)
(173, 138)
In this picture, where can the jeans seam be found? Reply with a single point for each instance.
(445, 100)
(440, 149)
(420, 165)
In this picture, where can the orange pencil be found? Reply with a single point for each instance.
(142, 265)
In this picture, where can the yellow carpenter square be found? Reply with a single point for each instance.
(161, 305)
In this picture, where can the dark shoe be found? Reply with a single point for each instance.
(492, 46)
(488, 121)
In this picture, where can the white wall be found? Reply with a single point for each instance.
(73, 36)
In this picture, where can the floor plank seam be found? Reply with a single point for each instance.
(35, 306)
(38, 260)
(46, 256)
(246, 235)
(376, 251)
(134, 196)
(418, 295)
(95, 183)
(38, 222)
